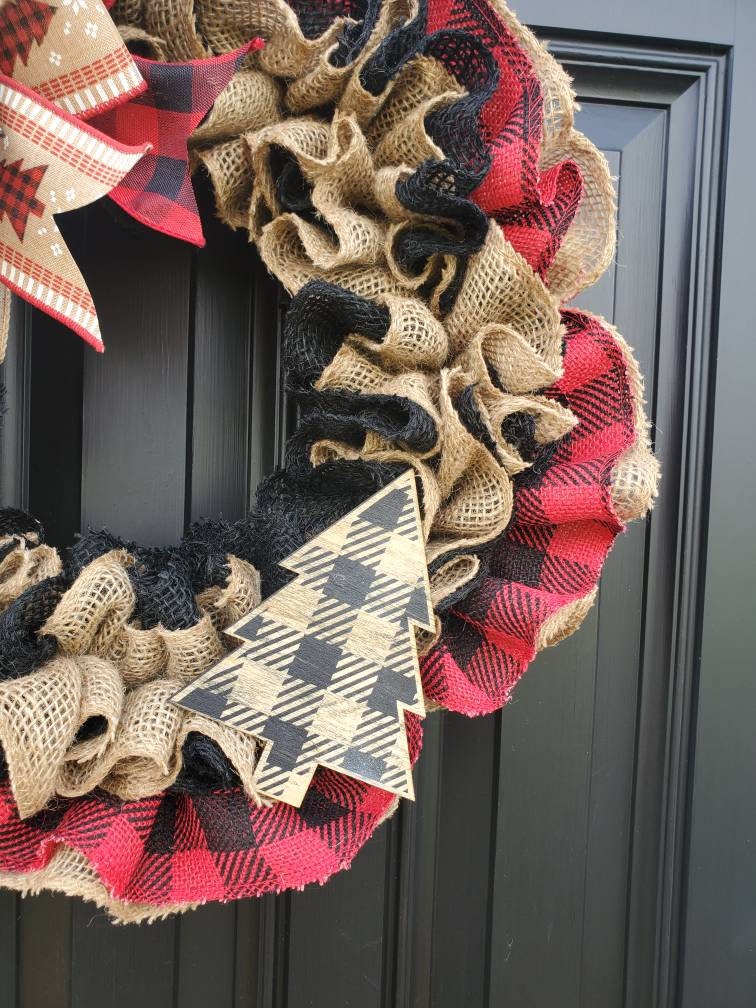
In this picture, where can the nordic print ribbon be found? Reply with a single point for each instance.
(50, 163)
(63, 59)
(69, 52)
(158, 191)
(58, 60)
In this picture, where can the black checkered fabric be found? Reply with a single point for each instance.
(330, 660)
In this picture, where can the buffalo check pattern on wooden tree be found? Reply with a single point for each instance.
(329, 663)
(158, 191)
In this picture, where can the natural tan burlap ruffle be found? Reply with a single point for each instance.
(114, 675)
(25, 564)
(500, 343)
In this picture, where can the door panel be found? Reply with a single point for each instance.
(557, 878)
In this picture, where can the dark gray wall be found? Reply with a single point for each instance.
(602, 860)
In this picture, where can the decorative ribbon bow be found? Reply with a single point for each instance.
(63, 62)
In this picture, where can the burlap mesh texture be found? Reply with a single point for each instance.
(175, 22)
(141, 43)
(635, 478)
(23, 647)
(341, 352)
(380, 196)
(99, 714)
(70, 873)
(14, 522)
(329, 236)
(345, 55)
(251, 101)
(354, 190)
(588, 248)
(128, 12)
(23, 564)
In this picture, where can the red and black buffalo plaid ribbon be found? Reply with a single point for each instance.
(182, 848)
(179, 848)
(562, 528)
(534, 208)
(158, 191)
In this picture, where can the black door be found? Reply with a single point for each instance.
(602, 858)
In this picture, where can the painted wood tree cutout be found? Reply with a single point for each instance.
(329, 663)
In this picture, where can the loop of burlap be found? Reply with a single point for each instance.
(228, 166)
(352, 371)
(137, 754)
(415, 339)
(436, 274)
(39, 718)
(287, 53)
(102, 697)
(281, 249)
(500, 288)
(23, 566)
(112, 671)
(420, 79)
(588, 248)
(635, 483)
(353, 181)
(420, 87)
(175, 22)
(95, 617)
(565, 621)
(251, 101)
(452, 575)
(142, 43)
(89, 617)
(323, 83)
(236, 598)
(476, 492)
(635, 478)
(552, 420)
(144, 754)
(518, 365)
(466, 495)
(128, 12)
(336, 162)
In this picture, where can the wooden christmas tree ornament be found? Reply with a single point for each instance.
(329, 664)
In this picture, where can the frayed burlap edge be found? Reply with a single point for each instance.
(111, 669)
(70, 873)
(582, 258)
(634, 485)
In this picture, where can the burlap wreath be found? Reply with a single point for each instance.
(410, 172)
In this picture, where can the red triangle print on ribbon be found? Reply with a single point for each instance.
(158, 191)
(22, 23)
(18, 194)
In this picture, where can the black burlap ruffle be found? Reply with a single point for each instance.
(299, 501)
(22, 647)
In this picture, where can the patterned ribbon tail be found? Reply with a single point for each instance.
(50, 163)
